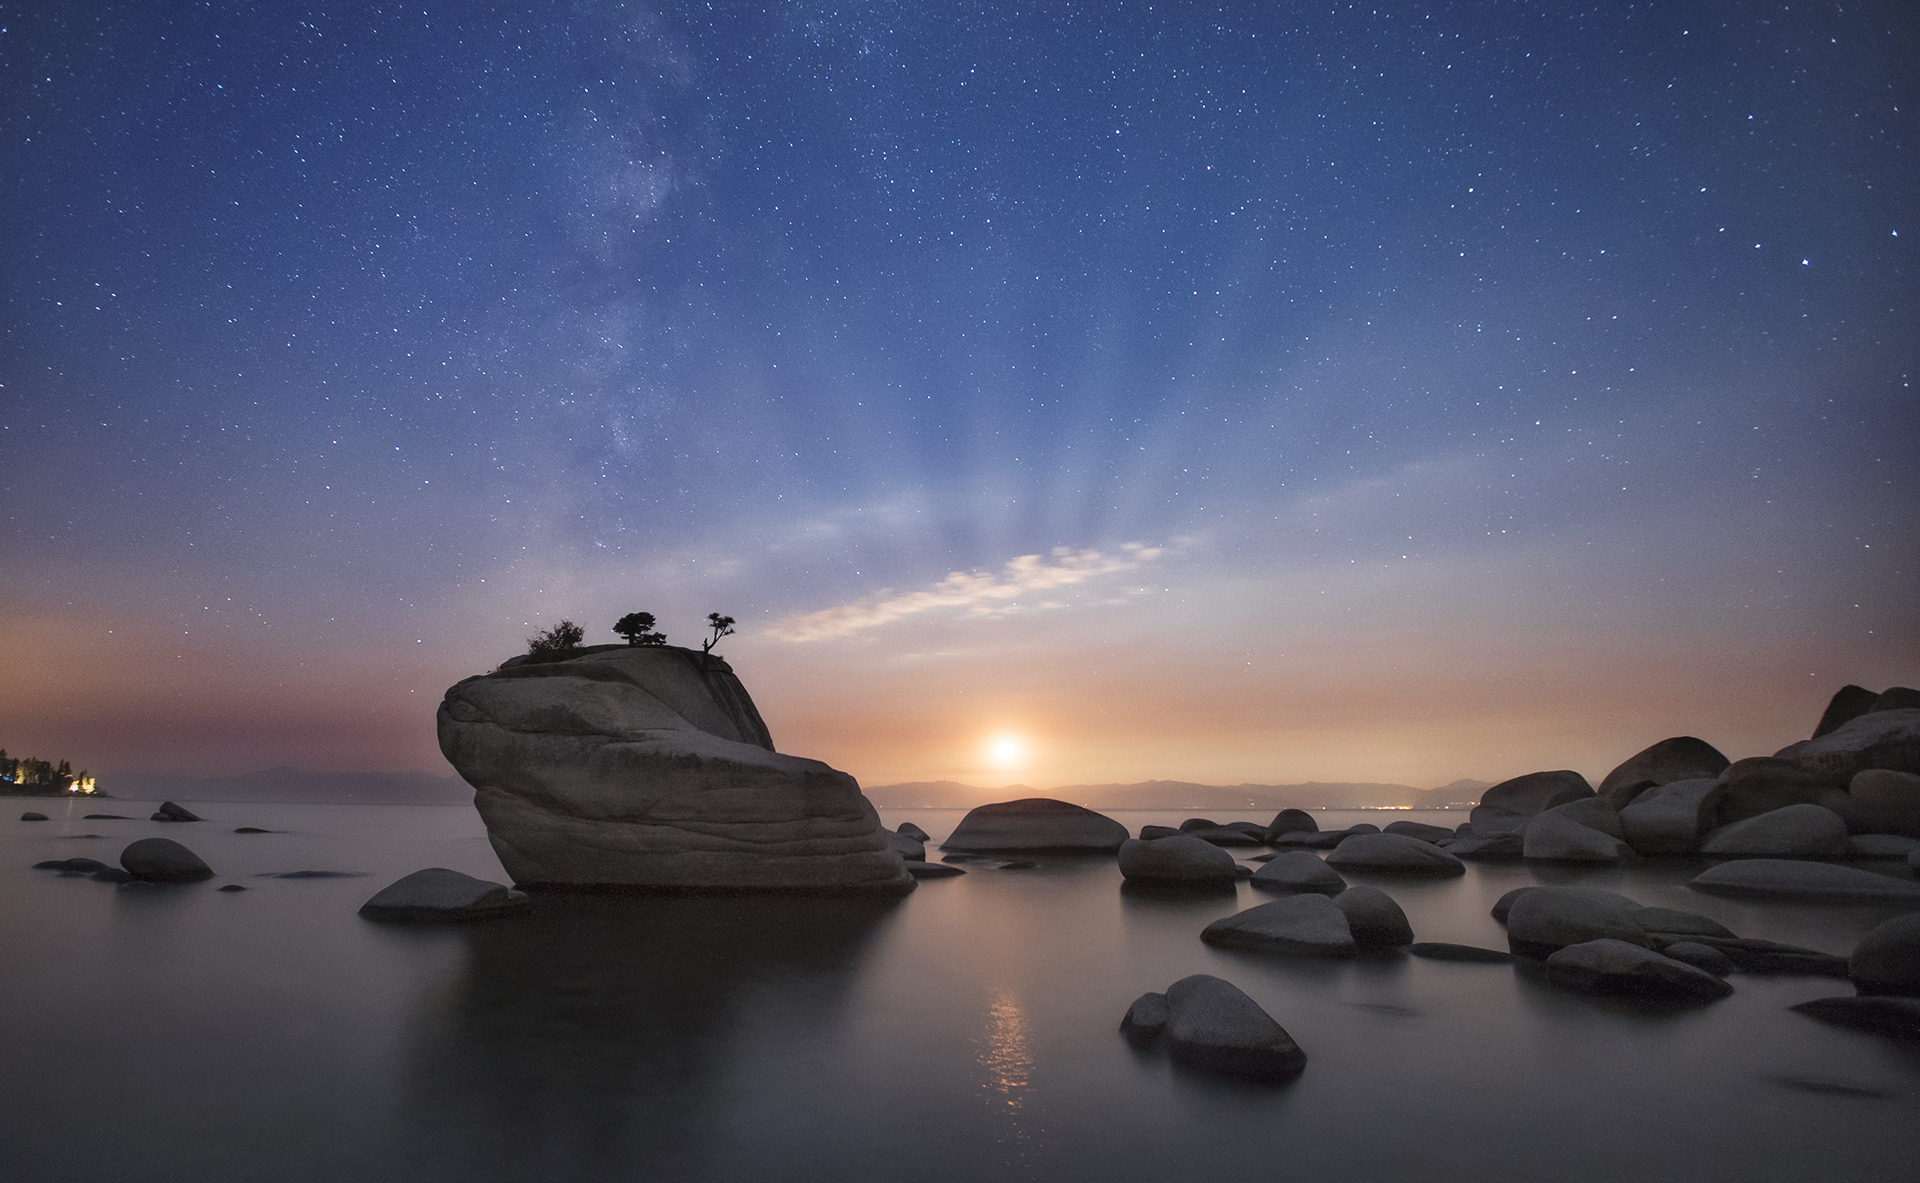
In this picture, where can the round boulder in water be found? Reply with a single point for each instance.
(1302, 925)
(438, 894)
(1212, 1024)
(1608, 966)
(1887, 959)
(162, 860)
(1394, 853)
(1376, 921)
(1036, 824)
(1180, 859)
(1299, 870)
(1793, 831)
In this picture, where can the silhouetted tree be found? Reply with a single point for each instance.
(721, 625)
(637, 628)
(561, 638)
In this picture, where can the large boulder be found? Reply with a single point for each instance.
(1500, 846)
(1898, 1017)
(1878, 739)
(1878, 846)
(1299, 870)
(1547, 919)
(1681, 758)
(1374, 918)
(1212, 1024)
(913, 850)
(438, 894)
(1510, 804)
(1670, 818)
(1795, 879)
(1395, 854)
(1036, 824)
(1145, 1019)
(1608, 966)
(1762, 784)
(648, 767)
(1796, 831)
(1885, 802)
(162, 860)
(1182, 859)
(1887, 959)
(1307, 925)
(1847, 704)
(1555, 837)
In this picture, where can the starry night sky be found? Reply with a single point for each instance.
(1250, 392)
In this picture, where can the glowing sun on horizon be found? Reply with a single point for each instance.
(1006, 750)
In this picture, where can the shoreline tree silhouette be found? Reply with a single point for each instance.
(722, 626)
(637, 628)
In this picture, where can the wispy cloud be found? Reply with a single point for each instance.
(975, 594)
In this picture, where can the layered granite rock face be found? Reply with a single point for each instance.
(648, 767)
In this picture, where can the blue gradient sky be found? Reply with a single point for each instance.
(1252, 392)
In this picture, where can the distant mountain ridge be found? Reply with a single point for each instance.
(1179, 794)
(297, 785)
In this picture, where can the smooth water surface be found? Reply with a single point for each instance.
(966, 1032)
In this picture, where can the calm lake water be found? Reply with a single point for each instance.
(967, 1032)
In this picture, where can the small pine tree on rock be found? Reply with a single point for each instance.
(722, 626)
(564, 637)
(637, 628)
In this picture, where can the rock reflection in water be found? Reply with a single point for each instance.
(599, 1032)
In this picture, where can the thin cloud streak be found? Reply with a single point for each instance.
(976, 593)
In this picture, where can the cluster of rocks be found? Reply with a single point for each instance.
(1210, 1023)
(150, 860)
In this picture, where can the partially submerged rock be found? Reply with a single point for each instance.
(1898, 1017)
(1394, 853)
(1701, 957)
(1183, 859)
(1793, 879)
(438, 894)
(912, 831)
(1306, 925)
(1212, 1024)
(1290, 821)
(1420, 830)
(1609, 966)
(1036, 824)
(1145, 1019)
(162, 860)
(1444, 951)
(1887, 959)
(648, 767)
(1499, 846)
(1374, 918)
(909, 848)
(1299, 870)
(169, 812)
(926, 870)
(31, 816)
(1547, 919)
